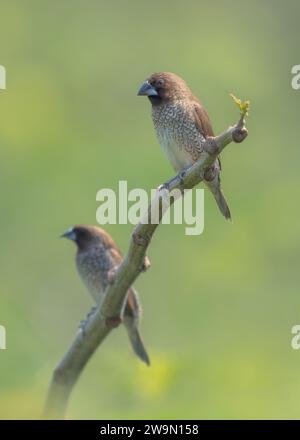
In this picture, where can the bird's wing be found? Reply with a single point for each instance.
(202, 121)
(132, 304)
(116, 256)
(113, 259)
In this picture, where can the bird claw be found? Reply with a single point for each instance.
(91, 312)
(82, 326)
(111, 322)
(181, 181)
(84, 322)
(166, 186)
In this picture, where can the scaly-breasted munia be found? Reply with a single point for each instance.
(182, 126)
(96, 259)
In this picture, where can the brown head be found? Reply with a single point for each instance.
(164, 87)
(86, 236)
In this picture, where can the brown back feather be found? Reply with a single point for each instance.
(202, 119)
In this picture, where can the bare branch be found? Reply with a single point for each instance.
(98, 327)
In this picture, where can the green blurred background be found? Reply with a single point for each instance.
(219, 307)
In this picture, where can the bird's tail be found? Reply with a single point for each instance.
(214, 185)
(137, 343)
(222, 204)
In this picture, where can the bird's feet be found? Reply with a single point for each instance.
(111, 322)
(83, 323)
(164, 186)
(168, 183)
(181, 181)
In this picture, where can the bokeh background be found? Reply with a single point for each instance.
(219, 307)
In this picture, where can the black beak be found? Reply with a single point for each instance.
(147, 90)
(70, 234)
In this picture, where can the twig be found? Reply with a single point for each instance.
(84, 345)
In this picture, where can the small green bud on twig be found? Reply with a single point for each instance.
(244, 106)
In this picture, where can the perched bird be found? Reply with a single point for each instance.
(96, 259)
(182, 126)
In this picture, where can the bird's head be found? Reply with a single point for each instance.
(164, 87)
(87, 236)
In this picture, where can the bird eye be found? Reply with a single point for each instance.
(159, 82)
(80, 233)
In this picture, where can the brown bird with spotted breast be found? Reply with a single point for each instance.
(97, 258)
(182, 126)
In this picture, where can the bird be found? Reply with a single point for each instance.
(182, 126)
(97, 258)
